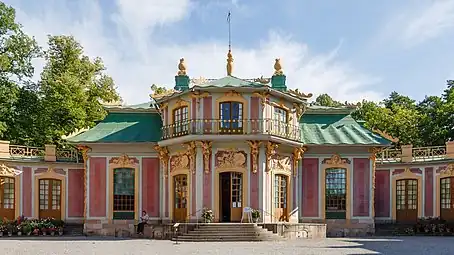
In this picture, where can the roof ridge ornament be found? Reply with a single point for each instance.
(182, 67)
(229, 63)
(278, 67)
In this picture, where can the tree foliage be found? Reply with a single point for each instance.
(429, 122)
(67, 96)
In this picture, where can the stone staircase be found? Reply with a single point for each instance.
(74, 229)
(228, 232)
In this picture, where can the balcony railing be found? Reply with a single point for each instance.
(232, 127)
(11, 151)
(419, 154)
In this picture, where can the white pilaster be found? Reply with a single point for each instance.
(261, 173)
(199, 181)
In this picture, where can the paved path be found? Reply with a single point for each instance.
(102, 246)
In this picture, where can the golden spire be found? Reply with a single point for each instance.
(229, 63)
(278, 68)
(181, 67)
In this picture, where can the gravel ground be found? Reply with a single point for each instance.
(103, 246)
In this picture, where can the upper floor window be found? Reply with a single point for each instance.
(280, 120)
(231, 114)
(180, 120)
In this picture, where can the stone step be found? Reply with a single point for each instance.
(222, 234)
(226, 230)
(221, 239)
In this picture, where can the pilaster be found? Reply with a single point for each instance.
(199, 180)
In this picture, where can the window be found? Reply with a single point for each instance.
(180, 121)
(445, 194)
(406, 194)
(335, 193)
(280, 191)
(231, 114)
(280, 120)
(123, 204)
(7, 193)
(181, 191)
(237, 190)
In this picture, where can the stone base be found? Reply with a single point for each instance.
(347, 228)
(296, 230)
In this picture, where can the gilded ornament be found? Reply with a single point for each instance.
(299, 94)
(199, 81)
(263, 96)
(299, 109)
(232, 93)
(298, 153)
(163, 153)
(6, 171)
(124, 161)
(181, 67)
(229, 63)
(179, 161)
(278, 67)
(336, 160)
(206, 151)
(255, 146)
(191, 151)
(270, 151)
(282, 163)
(164, 93)
(262, 80)
(448, 171)
(231, 158)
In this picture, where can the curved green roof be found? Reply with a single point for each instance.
(337, 129)
(125, 127)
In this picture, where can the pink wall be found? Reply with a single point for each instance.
(207, 188)
(361, 187)
(150, 186)
(27, 191)
(254, 187)
(429, 192)
(207, 113)
(193, 114)
(75, 192)
(310, 187)
(382, 191)
(254, 114)
(97, 175)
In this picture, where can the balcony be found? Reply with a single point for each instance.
(232, 127)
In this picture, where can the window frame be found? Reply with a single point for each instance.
(226, 125)
(280, 126)
(123, 206)
(336, 200)
(180, 123)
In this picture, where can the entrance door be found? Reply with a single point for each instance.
(407, 200)
(180, 194)
(50, 198)
(280, 197)
(231, 196)
(7, 198)
(446, 198)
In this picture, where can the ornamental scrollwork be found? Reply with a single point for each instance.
(255, 146)
(163, 153)
(336, 160)
(206, 151)
(179, 161)
(124, 161)
(191, 152)
(281, 163)
(270, 151)
(298, 153)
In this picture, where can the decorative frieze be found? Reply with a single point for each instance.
(281, 163)
(179, 161)
(255, 146)
(231, 159)
(336, 160)
(124, 161)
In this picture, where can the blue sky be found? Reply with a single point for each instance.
(350, 49)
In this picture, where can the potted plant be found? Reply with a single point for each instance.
(60, 231)
(19, 229)
(52, 230)
(10, 228)
(207, 215)
(2, 228)
(27, 228)
(255, 215)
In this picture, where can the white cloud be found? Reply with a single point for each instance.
(423, 22)
(135, 61)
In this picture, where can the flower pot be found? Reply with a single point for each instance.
(1, 234)
(255, 220)
(29, 233)
(44, 233)
(52, 233)
(19, 233)
(60, 233)
(10, 233)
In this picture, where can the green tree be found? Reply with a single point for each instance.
(158, 90)
(72, 88)
(326, 100)
(17, 50)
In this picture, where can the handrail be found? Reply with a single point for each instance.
(197, 216)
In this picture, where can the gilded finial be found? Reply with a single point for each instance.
(278, 67)
(181, 67)
(229, 63)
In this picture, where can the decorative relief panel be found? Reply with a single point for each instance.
(206, 151)
(298, 153)
(336, 160)
(179, 161)
(282, 163)
(255, 145)
(270, 151)
(231, 158)
(9, 171)
(448, 171)
(163, 157)
(124, 161)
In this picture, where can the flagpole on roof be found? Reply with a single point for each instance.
(230, 34)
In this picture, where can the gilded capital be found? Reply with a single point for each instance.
(298, 153)
(163, 153)
(270, 151)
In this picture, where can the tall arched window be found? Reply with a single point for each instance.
(123, 204)
(335, 193)
(231, 114)
(180, 121)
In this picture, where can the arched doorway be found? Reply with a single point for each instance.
(50, 198)
(180, 197)
(407, 200)
(7, 198)
(446, 198)
(231, 196)
(281, 190)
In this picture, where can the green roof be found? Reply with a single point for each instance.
(142, 106)
(123, 128)
(231, 81)
(337, 129)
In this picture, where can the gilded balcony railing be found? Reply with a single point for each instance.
(428, 153)
(389, 155)
(67, 155)
(19, 151)
(232, 127)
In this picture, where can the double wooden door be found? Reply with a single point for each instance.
(407, 200)
(7, 198)
(281, 197)
(180, 197)
(50, 198)
(446, 198)
(231, 196)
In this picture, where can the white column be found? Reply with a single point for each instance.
(262, 179)
(199, 181)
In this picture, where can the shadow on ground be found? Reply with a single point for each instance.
(68, 238)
